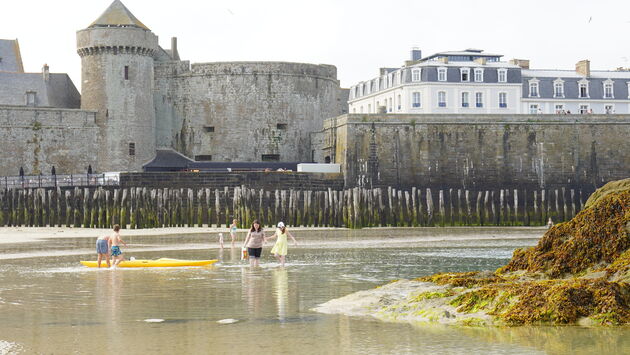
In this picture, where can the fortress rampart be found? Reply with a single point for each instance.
(37, 139)
(478, 151)
(244, 111)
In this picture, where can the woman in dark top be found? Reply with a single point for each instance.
(254, 243)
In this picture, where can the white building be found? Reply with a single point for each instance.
(474, 82)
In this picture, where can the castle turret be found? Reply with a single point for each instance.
(116, 80)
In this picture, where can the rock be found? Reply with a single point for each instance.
(227, 321)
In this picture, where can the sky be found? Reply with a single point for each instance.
(358, 37)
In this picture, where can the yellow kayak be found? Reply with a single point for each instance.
(163, 262)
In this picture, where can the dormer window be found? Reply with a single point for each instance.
(502, 75)
(465, 74)
(608, 89)
(478, 75)
(441, 74)
(533, 88)
(583, 88)
(30, 98)
(558, 88)
(415, 75)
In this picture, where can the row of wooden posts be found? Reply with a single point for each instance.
(353, 208)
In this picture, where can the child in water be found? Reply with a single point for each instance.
(233, 229)
(279, 250)
(102, 250)
(115, 242)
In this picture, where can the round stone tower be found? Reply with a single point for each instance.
(116, 54)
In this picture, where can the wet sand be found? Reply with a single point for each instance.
(33, 234)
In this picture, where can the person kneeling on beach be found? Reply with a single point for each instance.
(115, 242)
(102, 250)
(254, 243)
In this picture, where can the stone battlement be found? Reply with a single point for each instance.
(20, 117)
(321, 71)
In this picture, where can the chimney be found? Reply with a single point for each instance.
(443, 60)
(523, 63)
(583, 67)
(416, 54)
(174, 52)
(46, 72)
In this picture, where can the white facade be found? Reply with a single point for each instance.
(470, 82)
(405, 91)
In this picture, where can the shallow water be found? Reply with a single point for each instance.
(50, 304)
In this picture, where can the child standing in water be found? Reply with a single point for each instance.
(279, 250)
(115, 242)
(102, 250)
(233, 229)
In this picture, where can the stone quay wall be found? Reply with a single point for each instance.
(37, 139)
(478, 152)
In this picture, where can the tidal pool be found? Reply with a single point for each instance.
(50, 304)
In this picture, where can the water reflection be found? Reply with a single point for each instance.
(252, 285)
(235, 254)
(280, 279)
(46, 306)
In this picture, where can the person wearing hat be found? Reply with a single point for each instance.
(279, 250)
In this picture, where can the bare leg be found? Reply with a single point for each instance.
(282, 257)
(256, 262)
(252, 261)
(233, 238)
(98, 260)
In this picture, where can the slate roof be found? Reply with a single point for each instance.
(170, 160)
(167, 160)
(10, 58)
(58, 91)
(117, 15)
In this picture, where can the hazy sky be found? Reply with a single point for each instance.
(357, 36)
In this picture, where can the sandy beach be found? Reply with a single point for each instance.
(33, 234)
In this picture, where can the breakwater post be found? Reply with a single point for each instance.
(353, 208)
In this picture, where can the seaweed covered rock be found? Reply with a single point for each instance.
(596, 237)
(578, 273)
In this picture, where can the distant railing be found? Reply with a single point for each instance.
(72, 180)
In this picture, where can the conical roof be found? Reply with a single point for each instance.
(117, 15)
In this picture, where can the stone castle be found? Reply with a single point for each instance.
(137, 97)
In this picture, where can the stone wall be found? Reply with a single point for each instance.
(478, 151)
(240, 111)
(39, 138)
(274, 180)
